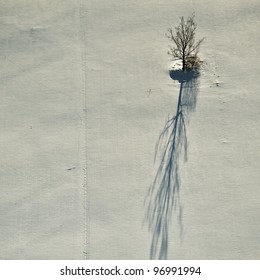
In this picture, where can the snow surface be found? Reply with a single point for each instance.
(41, 203)
(114, 52)
(130, 96)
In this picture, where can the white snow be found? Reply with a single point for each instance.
(127, 59)
(129, 96)
(41, 202)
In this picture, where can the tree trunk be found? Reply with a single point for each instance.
(183, 64)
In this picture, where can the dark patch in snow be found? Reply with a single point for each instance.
(71, 168)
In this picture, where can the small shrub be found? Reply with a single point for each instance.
(193, 62)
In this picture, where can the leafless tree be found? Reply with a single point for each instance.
(185, 47)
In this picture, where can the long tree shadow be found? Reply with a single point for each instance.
(164, 194)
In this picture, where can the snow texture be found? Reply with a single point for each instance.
(85, 94)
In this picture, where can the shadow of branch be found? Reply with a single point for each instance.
(164, 194)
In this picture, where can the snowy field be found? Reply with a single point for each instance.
(41, 141)
(87, 84)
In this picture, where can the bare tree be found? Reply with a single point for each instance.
(185, 47)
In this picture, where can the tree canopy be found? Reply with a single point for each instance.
(183, 36)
